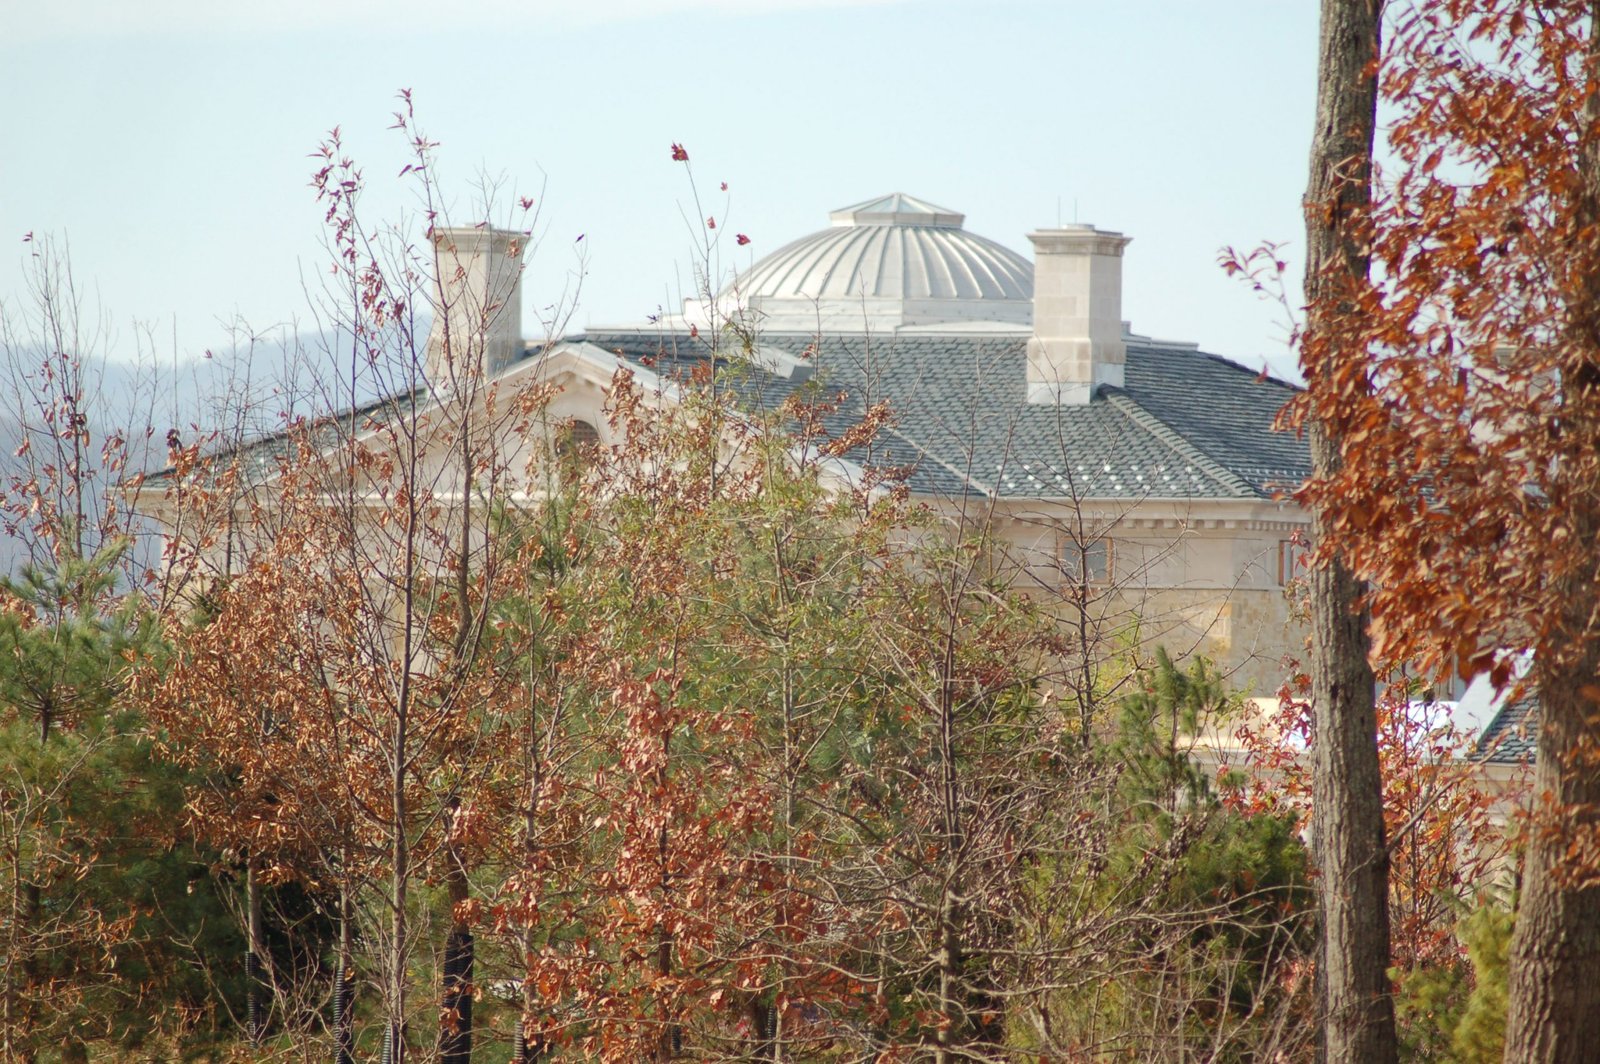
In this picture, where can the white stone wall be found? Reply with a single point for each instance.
(1196, 576)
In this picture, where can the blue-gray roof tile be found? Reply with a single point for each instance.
(1512, 737)
(1186, 425)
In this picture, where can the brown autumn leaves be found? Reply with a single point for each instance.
(1461, 381)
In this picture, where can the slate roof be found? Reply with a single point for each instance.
(1512, 736)
(260, 456)
(1187, 424)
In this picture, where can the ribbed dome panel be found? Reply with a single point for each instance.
(895, 261)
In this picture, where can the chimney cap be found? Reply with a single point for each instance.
(1078, 239)
(472, 239)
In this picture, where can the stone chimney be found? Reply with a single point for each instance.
(477, 305)
(1077, 314)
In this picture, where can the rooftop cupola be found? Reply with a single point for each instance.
(882, 264)
(477, 304)
(1077, 343)
(897, 208)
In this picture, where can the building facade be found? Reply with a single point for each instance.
(1139, 478)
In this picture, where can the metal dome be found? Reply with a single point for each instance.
(894, 260)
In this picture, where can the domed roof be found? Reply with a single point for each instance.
(893, 260)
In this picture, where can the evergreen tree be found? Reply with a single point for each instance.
(111, 929)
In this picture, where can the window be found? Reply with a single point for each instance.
(1088, 562)
(573, 437)
(1291, 560)
(572, 445)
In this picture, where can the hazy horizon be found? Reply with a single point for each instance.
(173, 150)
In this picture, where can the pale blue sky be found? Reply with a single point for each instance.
(168, 139)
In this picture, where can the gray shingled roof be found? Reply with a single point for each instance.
(261, 456)
(1513, 735)
(1187, 424)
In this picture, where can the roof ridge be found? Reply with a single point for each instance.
(1131, 409)
(1264, 376)
(948, 467)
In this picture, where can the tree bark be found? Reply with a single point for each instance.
(255, 1007)
(1348, 832)
(344, 991)
(455, 1040)
(455, 1034)
(455, 1029)
(1554, 1010)
(956, 1030)
(395, 976)
(670, 1042)
(529, 1048)
(33, 976)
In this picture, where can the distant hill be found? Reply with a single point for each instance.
(231, 394)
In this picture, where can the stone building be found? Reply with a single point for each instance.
(1137, 479)
(1143, 473)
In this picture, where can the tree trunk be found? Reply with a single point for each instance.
(526, 1049)
(344, 991)
(255, 1007)
(1347, 824)
(954, 1028)
(669, 1044)
(763, 1020)
(33, 981)
(394, 1046)
(1357, 1020)
(952, 1014)
(1554, 1011)
(455, 1019)
(528, 1046)
(455, 1035)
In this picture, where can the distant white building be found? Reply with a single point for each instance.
(1147, 470)
(1136, 478)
